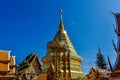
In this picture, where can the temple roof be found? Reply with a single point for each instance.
(7, 63)
(4, 56)
(101, 72)
(12, 61)
(28, 61)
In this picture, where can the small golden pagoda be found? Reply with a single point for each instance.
(61, 61)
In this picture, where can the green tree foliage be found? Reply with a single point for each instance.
(100, 61)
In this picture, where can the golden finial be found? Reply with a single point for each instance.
(61, 26)
(61, 11)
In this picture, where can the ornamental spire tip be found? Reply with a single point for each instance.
(61, 26)
(61, 11)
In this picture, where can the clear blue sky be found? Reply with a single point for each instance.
(27, 25)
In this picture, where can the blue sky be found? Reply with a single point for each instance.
(27, 25)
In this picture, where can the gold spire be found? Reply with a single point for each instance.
(61, 26)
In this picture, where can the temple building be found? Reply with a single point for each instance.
(98, 74)
(115, 75)
(30, 68)
(61, 61)
(101, 72)
(7, 66)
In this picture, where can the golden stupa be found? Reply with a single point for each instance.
(61, 61)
